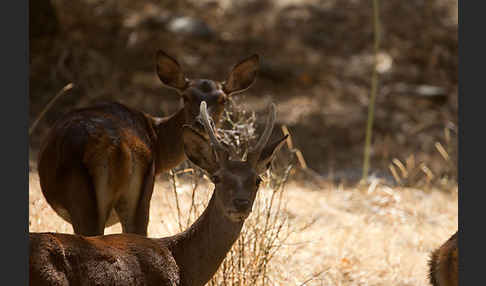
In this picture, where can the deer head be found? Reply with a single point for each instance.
(236, 182)
(214, 93)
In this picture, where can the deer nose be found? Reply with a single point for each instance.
(241, 204)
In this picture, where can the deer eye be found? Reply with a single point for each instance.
(215, 179)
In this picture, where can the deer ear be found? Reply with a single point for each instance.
(170, 72)
(268, 153)
(242, 75)
(198, 150)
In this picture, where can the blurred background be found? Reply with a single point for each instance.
(317, 59)
(316, 65)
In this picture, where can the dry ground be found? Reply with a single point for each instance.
(369, 236)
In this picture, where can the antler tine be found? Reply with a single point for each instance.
(254, 154)
(203, 112)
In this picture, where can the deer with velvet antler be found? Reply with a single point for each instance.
(188, 258)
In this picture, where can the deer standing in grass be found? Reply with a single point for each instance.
(191, 257)
(103, 159)
(443, 264)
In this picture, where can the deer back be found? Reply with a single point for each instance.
(119, 259)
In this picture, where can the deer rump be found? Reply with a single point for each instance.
(86, 141)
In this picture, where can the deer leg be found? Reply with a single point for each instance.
(81, 202)
(127, 206)
(84, 223)
(105, 195)
(143, 208)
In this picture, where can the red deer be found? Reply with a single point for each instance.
(189, 258)
(103, 159)
(443, 264)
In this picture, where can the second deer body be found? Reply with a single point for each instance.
(188, 258)
(103, 159)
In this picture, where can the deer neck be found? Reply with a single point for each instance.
(200, 250)
(169, 145)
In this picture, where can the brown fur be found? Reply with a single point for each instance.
(443, 264)
(97, 165)
(188, 258)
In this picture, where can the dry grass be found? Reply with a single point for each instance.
(380, 236)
